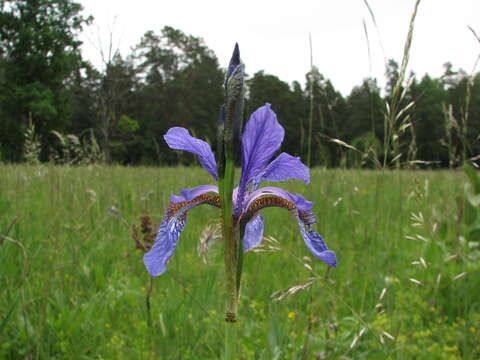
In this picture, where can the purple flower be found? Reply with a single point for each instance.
(261, 138)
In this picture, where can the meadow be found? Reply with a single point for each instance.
(73, 285)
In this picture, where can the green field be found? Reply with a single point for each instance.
(73, 286)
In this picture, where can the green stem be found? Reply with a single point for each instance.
(230, 341)
(147, 301)
(230, 246)
(231, 250)
(227, 137)
(241, 231)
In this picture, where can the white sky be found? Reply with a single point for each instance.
(273, 35)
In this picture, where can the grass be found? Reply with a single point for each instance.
(73, 285)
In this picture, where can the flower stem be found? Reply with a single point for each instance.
(147, 301)
(229, 240)
(230, 341)
(227, 137)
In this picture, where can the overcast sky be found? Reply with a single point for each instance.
(274, 35)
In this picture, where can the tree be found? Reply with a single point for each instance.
(428, 119)
(181, 86)
(328, 112)
(392, 74)
(114, 105)
(38, 51)
(364, 108)
(464, 97)
(83, 88)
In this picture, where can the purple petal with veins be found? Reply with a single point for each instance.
(284, 167)
(189, 194)
(253, 233)
(261, 138)
(317, 246)
(305, 219)
(172, 225)
(176, 198)
(298, 200)
(165, 244)
(179, 138)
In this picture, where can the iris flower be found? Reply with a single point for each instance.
(261, 139)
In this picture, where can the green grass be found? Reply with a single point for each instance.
(77, 291)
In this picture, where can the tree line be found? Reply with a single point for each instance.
(174, 79)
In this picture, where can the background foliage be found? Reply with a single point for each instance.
(171, 78)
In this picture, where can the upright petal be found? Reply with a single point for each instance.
(261, 138)
(179, 138)
(170, 228)
(284, 167)
(253, 233)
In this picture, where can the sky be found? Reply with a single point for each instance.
(274, 35)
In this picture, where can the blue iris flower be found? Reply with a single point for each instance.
(261, 139)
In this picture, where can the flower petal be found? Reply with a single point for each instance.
(189, 194)
(298, 199)
(316, 245)
(170, 228)
(165, 244)
(302, 203)
(273, 196)
(179, 138)
(284, 167)
(261, 138)
(253, 233)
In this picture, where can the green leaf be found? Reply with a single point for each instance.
(127, 125)
(472, 197)
(442, 229)
(474, 234)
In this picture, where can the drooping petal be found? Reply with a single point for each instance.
(316, 245)
(165, 244)
(300, 202)
(170, 228)
(253, 233)
(189, 194)
(176, 198)
(261, 138)
(276, 197)
(179, 138)
(284, 167)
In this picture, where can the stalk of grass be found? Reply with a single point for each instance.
(31, 144)
(369, 66)
(412, 147)
(397, 119)
(450, 124)
(311, 101)
(372, 15)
